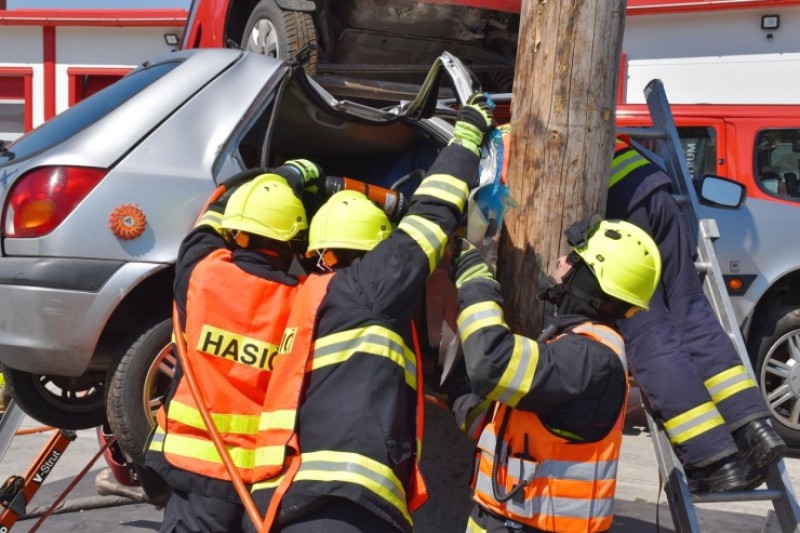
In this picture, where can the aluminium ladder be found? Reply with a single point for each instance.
(669, 155)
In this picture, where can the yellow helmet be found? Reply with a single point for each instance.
(348, 220)
(624, 259)
(265, 206)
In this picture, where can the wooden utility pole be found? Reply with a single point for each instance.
(562, 125)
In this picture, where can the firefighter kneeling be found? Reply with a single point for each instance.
(547, 459)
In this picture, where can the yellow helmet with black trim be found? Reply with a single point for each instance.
(265, 206)
(349, 221)
(624, 259)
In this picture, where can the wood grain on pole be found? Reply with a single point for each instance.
(562, 124)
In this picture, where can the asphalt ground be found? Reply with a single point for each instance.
(640, 504)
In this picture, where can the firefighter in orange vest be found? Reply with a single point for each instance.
(233, 293)
(683, 360)
(547, 459)
(360, 421)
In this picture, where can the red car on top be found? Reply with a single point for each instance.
(365, 48)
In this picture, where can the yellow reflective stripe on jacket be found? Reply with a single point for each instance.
(428, 235)
(354, 468)
(280, 419)
(370, 340)
(225, 423)
(473, 527)
(478, 316)
(693, 422)
(624, 164)
(518, 376)
(205, 450)
(728, 383)
(445, 188)
(231, 423)
(210, 218)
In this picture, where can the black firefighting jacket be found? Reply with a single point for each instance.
(357, 422)
(577, 386)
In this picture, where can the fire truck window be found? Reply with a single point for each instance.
(700, 147)
(778, 162)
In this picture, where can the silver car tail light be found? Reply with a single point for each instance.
(43, 197)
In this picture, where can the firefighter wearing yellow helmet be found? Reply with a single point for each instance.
(347, 224)
(548, 413)
(360, 424)
(683, 360)
(233, 293)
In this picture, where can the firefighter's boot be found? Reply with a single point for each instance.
(759, 446)
(720, 476)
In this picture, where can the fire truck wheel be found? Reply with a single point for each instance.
(58, 401)
(137, 386)
(775, 345)
(279, 33)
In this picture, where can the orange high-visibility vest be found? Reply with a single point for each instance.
(279, 414)
(234, 327)
(570, 486)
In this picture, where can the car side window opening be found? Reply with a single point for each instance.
(244, 148)
(777, 162)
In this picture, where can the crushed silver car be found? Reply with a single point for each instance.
(96, 201)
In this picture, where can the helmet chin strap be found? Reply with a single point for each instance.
(555, 294)
(325, 260)
(600, 305)
(241, 238)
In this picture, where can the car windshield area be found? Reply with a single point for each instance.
(83, 114)
(777, 161)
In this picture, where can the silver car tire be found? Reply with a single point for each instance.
(278, 33)
(137, 387)
(775, 344)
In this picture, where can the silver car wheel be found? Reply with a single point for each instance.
(263, 39)
(780, 379)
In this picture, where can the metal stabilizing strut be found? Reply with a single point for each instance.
(17, 492)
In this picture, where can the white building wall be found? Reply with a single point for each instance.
(104, 47)
(715, 57)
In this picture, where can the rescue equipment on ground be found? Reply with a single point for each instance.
(18, 491)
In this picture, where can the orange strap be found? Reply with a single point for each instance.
(197, 394)
(288, 477)
(287, 385)
(418, 491)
